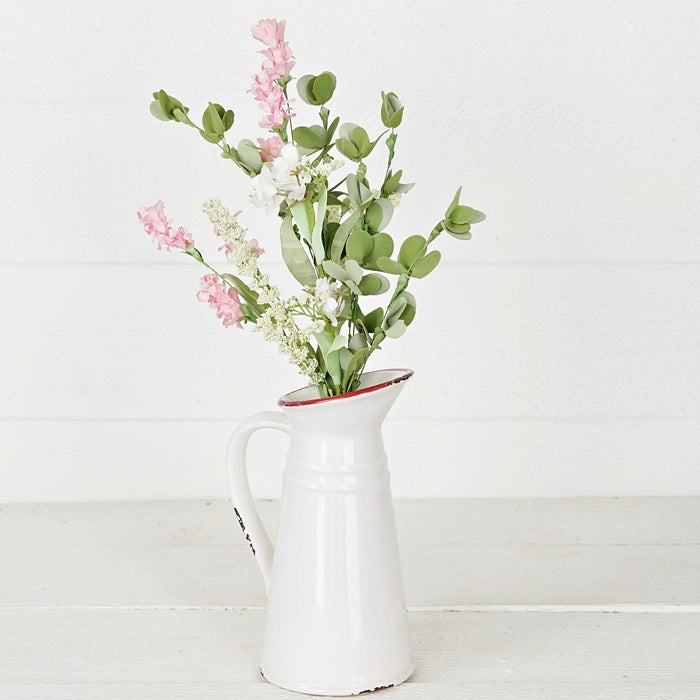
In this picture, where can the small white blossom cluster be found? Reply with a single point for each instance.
(241, 253)
(323, 169)
(327, 299)
(277, 324)
(286, 177)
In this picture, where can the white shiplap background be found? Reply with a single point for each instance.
(556, 354)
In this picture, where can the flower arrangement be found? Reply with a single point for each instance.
(333, 234)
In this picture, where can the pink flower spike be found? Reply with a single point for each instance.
(164, 234)
(223, 300)
(269, 31)
(270, 148)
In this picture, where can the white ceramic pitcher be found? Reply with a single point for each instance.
(336, 613)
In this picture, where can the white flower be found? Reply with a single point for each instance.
(265, 192)
(284, 178)
(329, 298)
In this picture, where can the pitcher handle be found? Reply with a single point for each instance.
(239, 487)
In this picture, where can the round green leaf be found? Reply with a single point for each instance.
(322, 87)
(426, 265)
(359, 245)
(382, 247)
(412, 249)
(374, 283)
(390, 266)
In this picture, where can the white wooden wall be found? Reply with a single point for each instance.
(556, 354)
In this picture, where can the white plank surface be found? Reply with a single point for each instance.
(135, 600)
(214, 654)
(566, 552)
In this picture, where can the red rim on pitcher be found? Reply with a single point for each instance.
(401, 376)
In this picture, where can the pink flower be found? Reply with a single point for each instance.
(278, 64)
(269, 31)
(270, 148)
(271, 100)
(164, 233)
(255, 247)
(224, 300)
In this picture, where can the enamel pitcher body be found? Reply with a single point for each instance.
(336, 614)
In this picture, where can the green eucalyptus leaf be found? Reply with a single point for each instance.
(212, 138)
(459, 218)
(212, 119)
(426, 265)
(295, 256)
(392, 110)
(168, 104)
(391, 182)
(358, 192)
(454, 203)
(180, 115)
(357, 342)
(341, 235)
(331, 130)
(379, 214)
(323, 87)
(317, 246)
(403, 187)
(340, 341)
(409, 313)
(345, 130)
(228, 119)
(316, 89)
(361, 141)
(344, 355)
(412, 249)
(303, 87)
(373, 319)
(323, 338)
(382, 247)
(157, 111)
(394, 311)
(359, 245)
(374, 283)
(354, 271)
(348, 149)
(464, 236)
(396, 330)
(310, 137)
(304, 218)
(249, 155)
(353, 368)
(334, 270)
(389, 266)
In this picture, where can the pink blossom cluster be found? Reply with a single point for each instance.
(164, 233)
(253, 246)
(270, 148)
(278, 64)
(224, 300)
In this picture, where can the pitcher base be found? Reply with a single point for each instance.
(335, 691)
